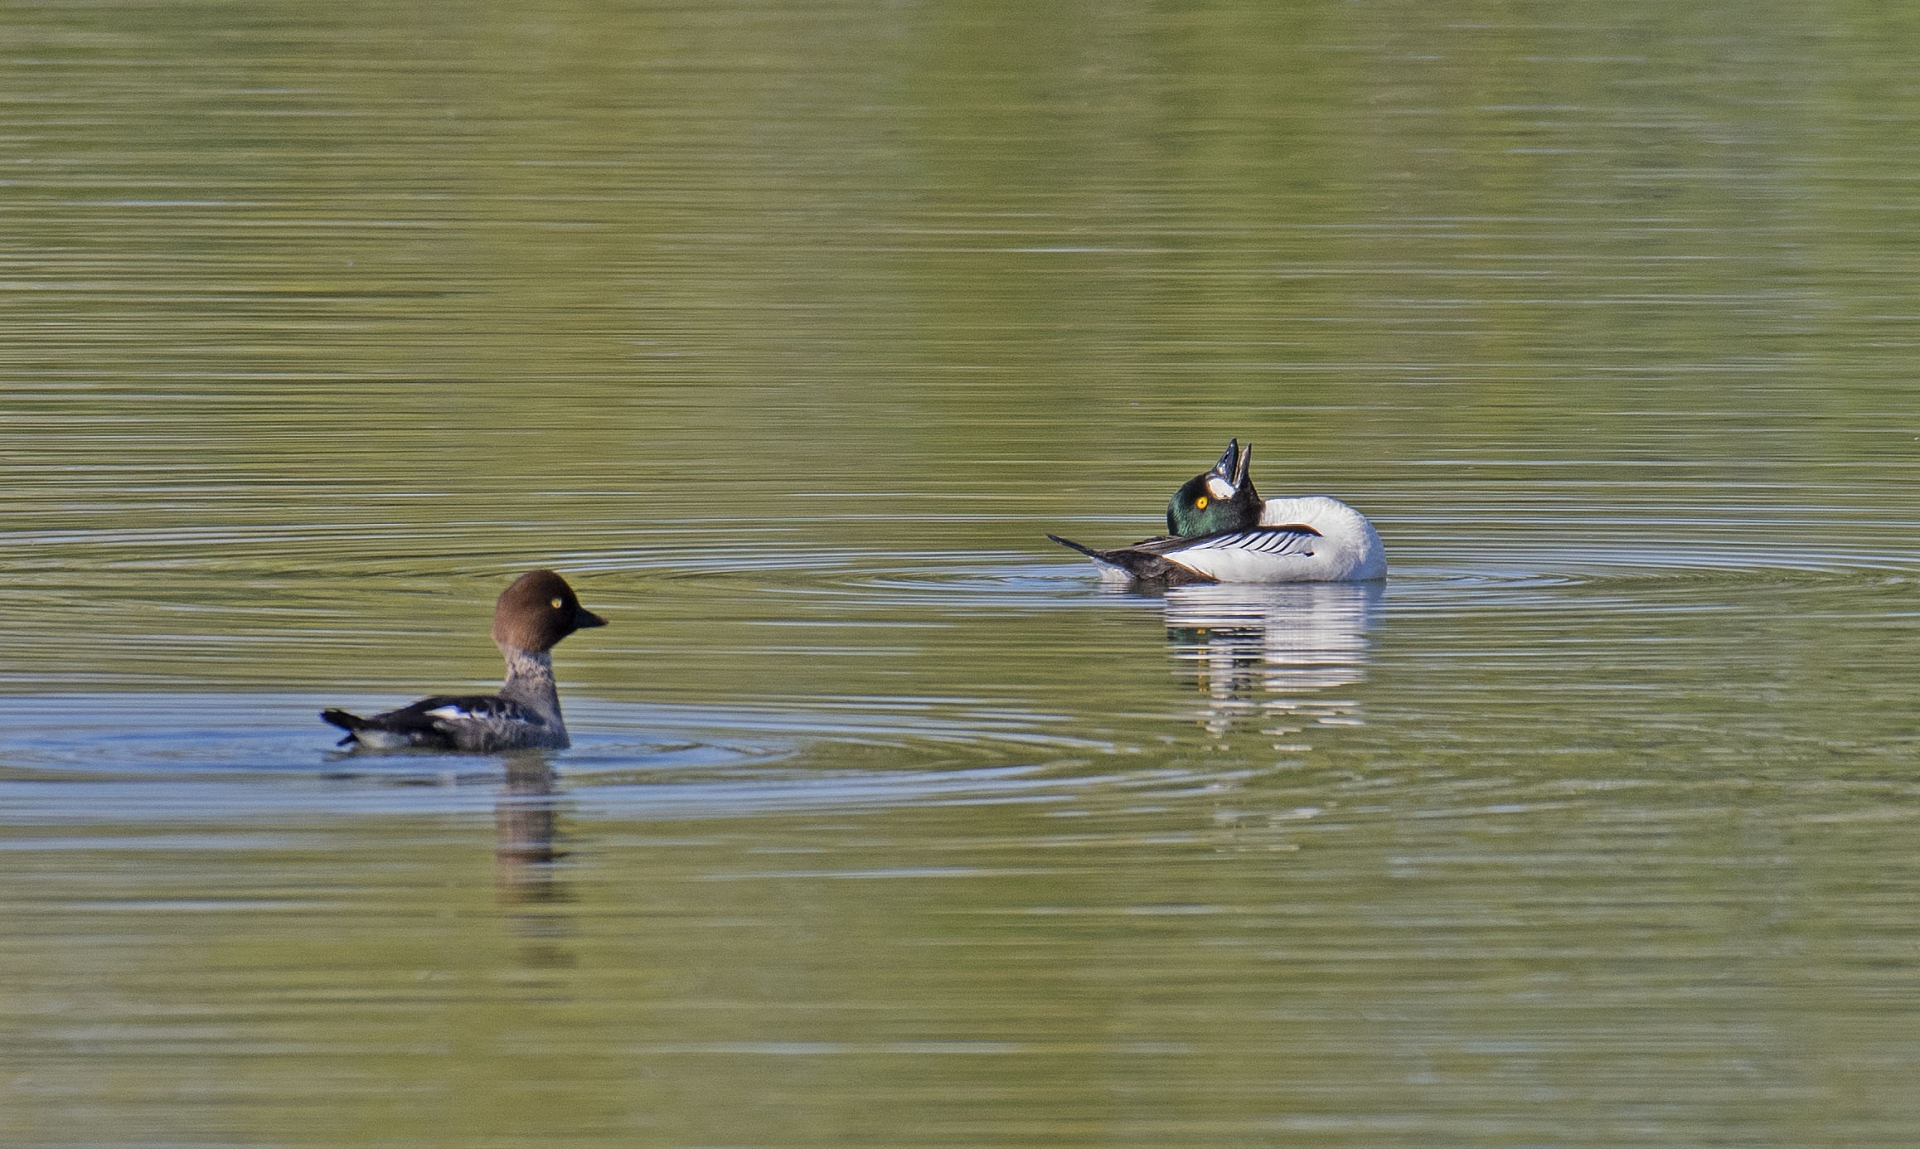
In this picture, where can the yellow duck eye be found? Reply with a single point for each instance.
(557, 603)
(1200, 504)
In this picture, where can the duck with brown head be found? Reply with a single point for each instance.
(532, 615)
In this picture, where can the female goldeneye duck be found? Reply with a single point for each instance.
(1219, 529)
(533, 614)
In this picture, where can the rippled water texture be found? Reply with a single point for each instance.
(788, 331)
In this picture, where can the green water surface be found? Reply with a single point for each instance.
(787, 330)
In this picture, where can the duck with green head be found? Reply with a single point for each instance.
(1221, 530)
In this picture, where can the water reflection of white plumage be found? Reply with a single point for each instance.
(1276, 654)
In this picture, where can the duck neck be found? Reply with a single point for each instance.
(530, 681)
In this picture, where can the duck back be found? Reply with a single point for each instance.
(1349, 549)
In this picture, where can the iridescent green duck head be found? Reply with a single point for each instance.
(1221, 499)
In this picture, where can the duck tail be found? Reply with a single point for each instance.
(1140, 566)
(1071, 545)
(351, 723)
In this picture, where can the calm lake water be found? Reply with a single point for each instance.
(787, 331)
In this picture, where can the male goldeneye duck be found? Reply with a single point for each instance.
(1219, 529)
(533, 614)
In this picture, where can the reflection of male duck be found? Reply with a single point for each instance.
(1256, 649)
(1221, 531)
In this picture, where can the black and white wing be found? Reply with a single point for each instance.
(1173, 560)
(443, 722)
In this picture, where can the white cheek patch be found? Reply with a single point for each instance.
(1219, 488)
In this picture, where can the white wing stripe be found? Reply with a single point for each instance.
(1263, 542)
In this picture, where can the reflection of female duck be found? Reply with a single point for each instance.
(1220, 530)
